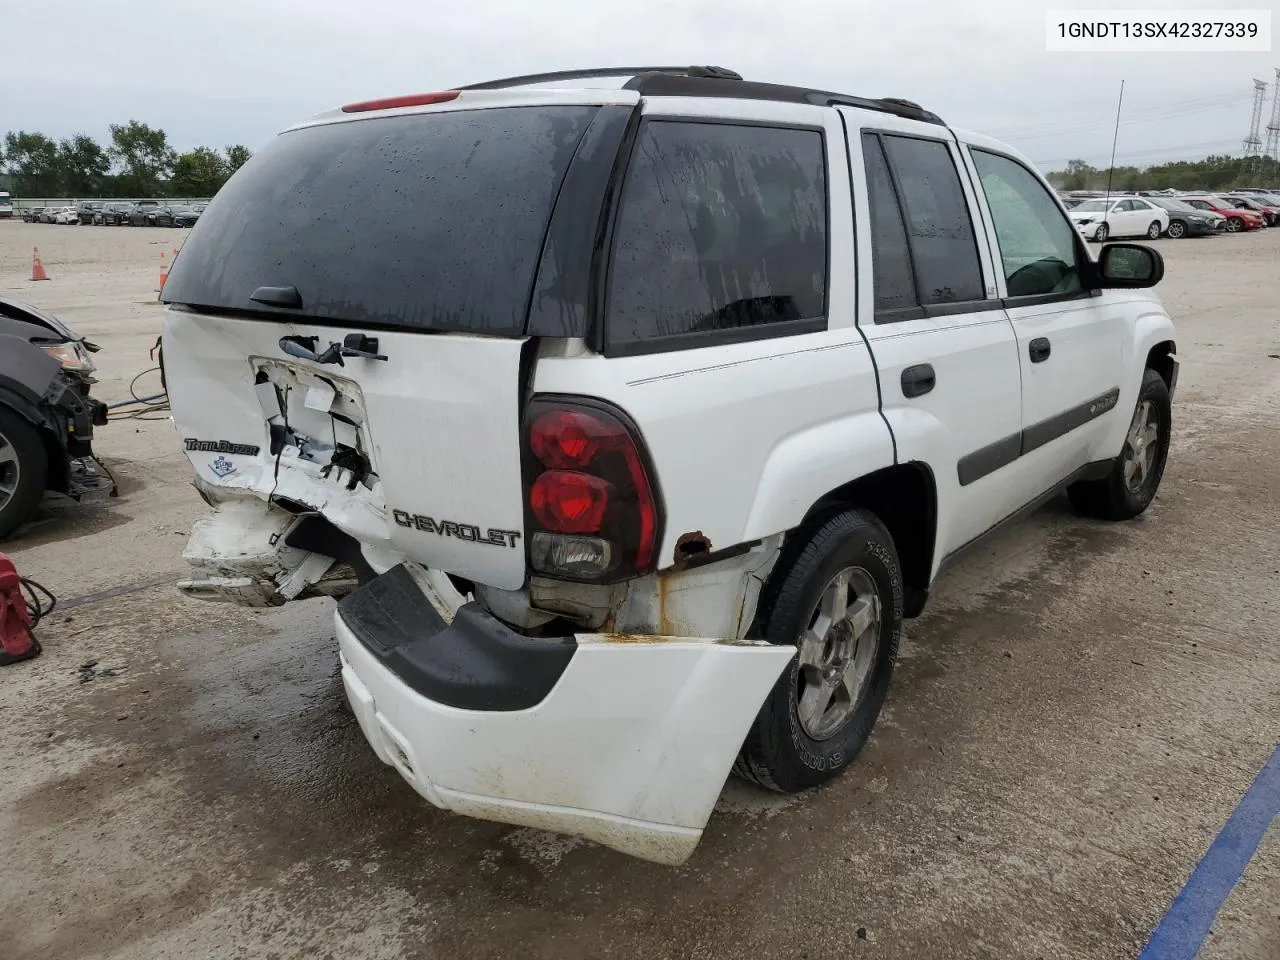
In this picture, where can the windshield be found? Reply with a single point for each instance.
(425, 221)
(1173, 205)
(1093, 206)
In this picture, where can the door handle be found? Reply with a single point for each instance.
(918, 380)
(1039, 349)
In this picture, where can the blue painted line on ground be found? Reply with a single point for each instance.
(1185, 926)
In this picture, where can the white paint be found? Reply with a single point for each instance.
(633, 744)
(442, 409)
(630, 749)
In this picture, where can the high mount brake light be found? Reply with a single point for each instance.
(409, 100)
(593, 504)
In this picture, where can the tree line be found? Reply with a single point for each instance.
(138, 162)
(1213, 173)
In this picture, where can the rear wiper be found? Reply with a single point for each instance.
(277, 297)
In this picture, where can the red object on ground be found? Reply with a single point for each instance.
(16, 640)
(37, 268)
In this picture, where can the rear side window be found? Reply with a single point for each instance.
(943, 246)
(924, 251)
(428, 221)
(721, 235)
(890, 256)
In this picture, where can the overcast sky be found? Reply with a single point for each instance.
(235, 71)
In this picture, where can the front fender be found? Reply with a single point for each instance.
(806, 466)
(1153, 326)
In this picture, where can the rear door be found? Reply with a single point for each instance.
(945, 351)
(347, 320)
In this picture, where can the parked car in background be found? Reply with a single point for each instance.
(66, 215)
(116, 214)
(47, 414)
(48, 213)
(1270, 211)
(1186, 221)
(32, 214)
(1119, 217)
(143, 213)
(87, 210)
(1238, 218)
(6, 205)
(176, 215)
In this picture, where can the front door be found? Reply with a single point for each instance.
(1070, 340)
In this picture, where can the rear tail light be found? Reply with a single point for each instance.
(592, 501)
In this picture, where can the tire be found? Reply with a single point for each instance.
(1153, 231)
(790, 748)
(1234, 224)
(1102, 233)
(1177, 229)
(1122, 495)
(23, 465)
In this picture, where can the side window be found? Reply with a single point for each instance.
(944, 250)
(1129, 206)
(890, 256)
(721, 227)
(1037, 243)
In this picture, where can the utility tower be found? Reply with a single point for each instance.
(1273, 131)
(1253, 142)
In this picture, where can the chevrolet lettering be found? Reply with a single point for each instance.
(450, 528)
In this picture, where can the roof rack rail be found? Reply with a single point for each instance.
(667, 84)
(596, 72)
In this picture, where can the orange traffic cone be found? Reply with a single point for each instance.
(37, 268)
(164, 272)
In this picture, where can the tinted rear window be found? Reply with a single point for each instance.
(721, 227)
(427, 221)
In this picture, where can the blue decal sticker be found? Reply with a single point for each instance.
(221, 467)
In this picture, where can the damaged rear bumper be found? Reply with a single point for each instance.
(626, 741)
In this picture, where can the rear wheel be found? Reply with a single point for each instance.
(1135, 475)
(1177, 229)
(1103, 232)
(840, 603)
(1153, 231)
(22, 470)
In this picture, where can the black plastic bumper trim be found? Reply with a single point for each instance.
(474, 663)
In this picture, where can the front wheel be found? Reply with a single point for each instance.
(1153, 231)
(1234, 225)
(1135, 475)
(22, 470)
(840, 603)
(1177, 229)
(1102, 233)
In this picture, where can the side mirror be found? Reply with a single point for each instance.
(1129, 266)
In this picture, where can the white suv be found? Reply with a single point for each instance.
(629, 412)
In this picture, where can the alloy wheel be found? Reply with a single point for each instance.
(838, 652)
(1141, 446)
(10, 471)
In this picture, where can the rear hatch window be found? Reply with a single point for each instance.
(429, 221)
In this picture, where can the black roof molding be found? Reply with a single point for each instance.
(655, 84)
(709, 81)
(597, 72)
